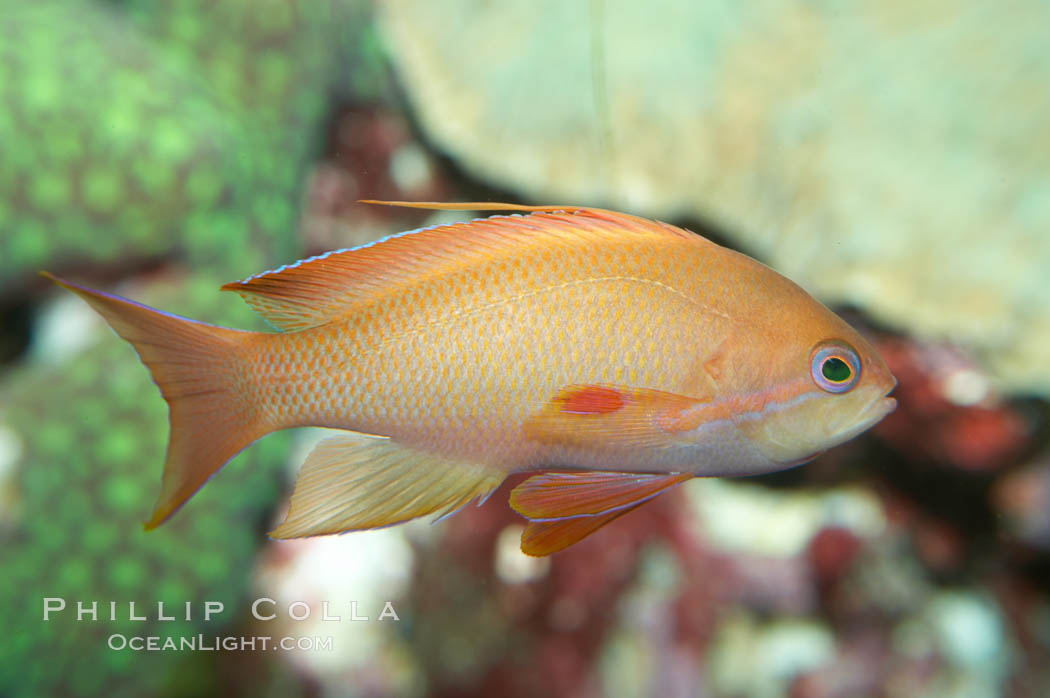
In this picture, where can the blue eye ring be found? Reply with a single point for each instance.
(834, 366)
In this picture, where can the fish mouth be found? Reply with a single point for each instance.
(874, 413)
(870, 415)
(882, 406)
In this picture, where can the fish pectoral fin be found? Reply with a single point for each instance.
(564, 508)
(607, 416)
(356, 482)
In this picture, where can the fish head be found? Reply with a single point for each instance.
(820, 383)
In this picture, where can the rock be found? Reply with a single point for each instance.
(1022, 498)
(889, 155)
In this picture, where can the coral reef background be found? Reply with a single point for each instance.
(890, 157)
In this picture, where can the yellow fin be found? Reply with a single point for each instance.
(609, 416)
(355, 482)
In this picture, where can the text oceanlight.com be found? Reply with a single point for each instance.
(204, 643)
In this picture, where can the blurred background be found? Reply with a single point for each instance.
(891, 157)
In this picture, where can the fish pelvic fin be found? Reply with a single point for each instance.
(357, 482)
(195, 366)
(564, 508)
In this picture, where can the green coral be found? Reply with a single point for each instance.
(94, 433)
(93, 111)
(133, 131)
(141, 130)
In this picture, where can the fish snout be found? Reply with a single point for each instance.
(883, 406)
(870, 413)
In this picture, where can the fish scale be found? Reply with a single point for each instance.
(455, 355)
(412, 329)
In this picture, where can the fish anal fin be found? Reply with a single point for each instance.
(564, 508)
(607, 416)
(357, 482)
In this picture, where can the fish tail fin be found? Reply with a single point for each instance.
(195, 365)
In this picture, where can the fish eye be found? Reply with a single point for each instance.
(834, 367)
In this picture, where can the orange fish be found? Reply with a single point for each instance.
(632, 352)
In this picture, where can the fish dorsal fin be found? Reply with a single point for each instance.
(356, 482)
(564, 508)
(317, 290)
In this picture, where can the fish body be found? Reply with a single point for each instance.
(574, 339)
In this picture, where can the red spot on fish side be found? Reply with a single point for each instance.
(592, 399)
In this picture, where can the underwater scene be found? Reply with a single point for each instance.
(731, 378)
